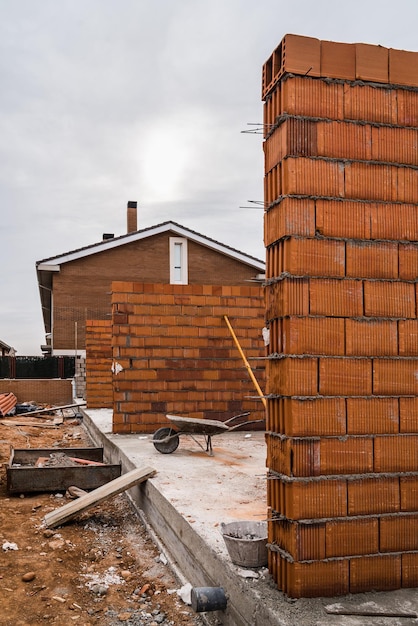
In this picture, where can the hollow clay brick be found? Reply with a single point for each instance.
(289, 296)
(394, 221)
(338, 60)
(407, 184)
(339, 140)
(407, 107)
(337, 298)
(294, 137)
(275, 147)
(312, 177)
(403, 67)
(339, 376)
(408, 410)
(370, 181)
(372, 63)
(312, 98)
(372, 415)
(309, 500)
(307, 417)
(291, 216)
(272, 185)
(320, 578)
(371, 338)
(394, 145)
(346, 219)
(378, 573)
(395, 377)
(313, 335)
(367, 103)
(292, 376)
(371, 496)
(300, 541)
(313, 257)
(408, 337)
(389, 299)
(292, 457)
(301, 55)
(409, 570)
(351, 456)
(371, 259)
(409, 493)
(399, 534)
(396, 453)
(408, 260)
(354, 537)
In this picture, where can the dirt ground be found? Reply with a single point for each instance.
(101, 568)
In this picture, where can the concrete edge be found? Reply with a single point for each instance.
(190, 558)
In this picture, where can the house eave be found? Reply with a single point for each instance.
(109, 244)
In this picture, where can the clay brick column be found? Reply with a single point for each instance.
(341, 231)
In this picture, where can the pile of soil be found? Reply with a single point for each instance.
(101, 568)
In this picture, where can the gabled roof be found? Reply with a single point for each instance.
(179, 230)
(46, 267)
(4, 346)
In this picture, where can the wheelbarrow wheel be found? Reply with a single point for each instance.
(172, 440)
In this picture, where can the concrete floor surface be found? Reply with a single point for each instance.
(185, 504)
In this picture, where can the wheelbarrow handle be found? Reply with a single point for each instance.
(245, 424)
(235, 417)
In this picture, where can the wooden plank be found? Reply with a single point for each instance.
(70, 510)
(10, 422)
(51, 409)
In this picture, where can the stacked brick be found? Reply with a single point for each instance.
(99, 358)
(341, 232)
(80, 377)
(173, 353)
(54, 391)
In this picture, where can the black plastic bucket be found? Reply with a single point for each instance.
(208, 599)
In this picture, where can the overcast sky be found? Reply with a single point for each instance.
(105, 101)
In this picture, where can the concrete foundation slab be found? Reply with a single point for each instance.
(185, 504)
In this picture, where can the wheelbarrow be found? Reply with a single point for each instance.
(166, 440)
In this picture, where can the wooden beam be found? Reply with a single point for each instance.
(51, 409)
(124, 482)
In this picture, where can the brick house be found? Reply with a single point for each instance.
(76, 286)
(160, 291)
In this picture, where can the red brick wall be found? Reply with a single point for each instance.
(99, 385)
(342, 265)
(178, 355)
(82, 288)
(42, 391)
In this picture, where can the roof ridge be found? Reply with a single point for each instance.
(106, 242)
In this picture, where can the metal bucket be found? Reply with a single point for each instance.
(246, 542)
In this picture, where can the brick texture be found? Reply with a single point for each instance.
(172, 352)
(99, 382)
(341, 231)
(42, 391)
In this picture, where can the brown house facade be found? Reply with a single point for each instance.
(76, 286)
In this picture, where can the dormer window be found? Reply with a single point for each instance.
(178, 261)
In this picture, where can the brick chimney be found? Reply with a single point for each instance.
(131, 217)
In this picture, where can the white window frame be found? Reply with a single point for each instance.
(179, 273)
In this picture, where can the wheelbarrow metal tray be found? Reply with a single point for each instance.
(23, 476)
(197, 426)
